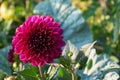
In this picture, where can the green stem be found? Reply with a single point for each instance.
(41, 73)
(27, 5)
(21, 67)
(73, 76)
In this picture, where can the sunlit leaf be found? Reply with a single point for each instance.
(52, 70)
(110, 74)
(97, 66)
(75, 28)
(70, 48)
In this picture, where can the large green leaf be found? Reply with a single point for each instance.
(4, 65)
(75, 28)
(100, 67)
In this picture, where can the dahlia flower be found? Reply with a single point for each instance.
(11, 55)
(38, 40)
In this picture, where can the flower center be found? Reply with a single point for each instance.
(39, 42)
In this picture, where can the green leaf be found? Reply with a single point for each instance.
(2, 75)
(4, 64)
(29, 73)
(75, 28)
(70, 48)
(116, 29)
(89, 64)
(62, 74)
(116, 22)
(65, 62)
(34, 68)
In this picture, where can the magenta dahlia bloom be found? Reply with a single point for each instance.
(38, 40)
(11, 55)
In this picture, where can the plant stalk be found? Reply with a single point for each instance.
(41, 73)
(73, 76)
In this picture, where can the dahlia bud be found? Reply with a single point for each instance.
(11, 55)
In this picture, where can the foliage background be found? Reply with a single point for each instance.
(102, 16)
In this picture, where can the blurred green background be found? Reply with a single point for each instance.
(103, 17)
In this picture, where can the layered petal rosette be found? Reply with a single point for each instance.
(38, 40)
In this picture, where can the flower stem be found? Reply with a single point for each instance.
(41, 73)
(73, 76)
(21, 66)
